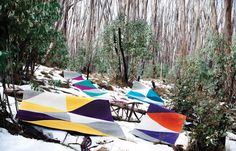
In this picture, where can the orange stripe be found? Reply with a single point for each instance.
(172, 121)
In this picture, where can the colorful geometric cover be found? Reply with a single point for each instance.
(65, 112)
(86, 86)
(142, 93)
(160, 124)
(74, 76)
(89, 89)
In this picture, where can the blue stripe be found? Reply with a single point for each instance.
(153, 96)
(94, 94)
(162, 136)
(135, 94)
(154, 108)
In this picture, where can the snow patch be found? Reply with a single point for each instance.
(10, 142)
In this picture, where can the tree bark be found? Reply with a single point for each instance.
(214, 17)
(125, 72)
(228, 35)
(117, 52)
(175, 32)
(89, 37)
(228, 31)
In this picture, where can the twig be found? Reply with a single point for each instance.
(65, 137)
(9, 107)
(163, 143)
(66, 145)
(104, 142)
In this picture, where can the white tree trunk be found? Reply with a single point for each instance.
(82, 25)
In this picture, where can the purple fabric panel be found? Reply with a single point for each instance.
(99, 109)
(81, 87)
(163, 136)
(33, 116)
(78, 78)
(154, 108)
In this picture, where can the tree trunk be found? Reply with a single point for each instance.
(228, 35)
(178, 31)
(125, 72)
(228, 31)
(214, 17)
(89, 37)
(117, 53)
(155, 29)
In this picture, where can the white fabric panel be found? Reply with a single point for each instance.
(85, 119)
(59, 115)
(142, 91)
(75, 81)
(105, 96)
(153, 102)
(111, 129)
(145, 99)
(49, 99)
(137, 86)
(70, 74)
(144, 136)
(95, 91)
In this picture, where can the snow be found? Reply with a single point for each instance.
(131, 143)
(51, 73)
(10, 142)
(12, 104)
(230, 142)
(25, 87)
(121, 145)
(11, 101)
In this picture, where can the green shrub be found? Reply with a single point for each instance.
(200, 93)
(55, 83)
(125, 44)
(212, 122)
(27, 28)
(79, 61)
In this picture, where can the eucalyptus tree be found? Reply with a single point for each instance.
(180, 26)
(126, 46)
(27, 29)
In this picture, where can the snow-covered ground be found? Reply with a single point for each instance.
(10, 142)
(131, 143)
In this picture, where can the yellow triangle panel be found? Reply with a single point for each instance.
(37, 108)
(65, 125)
(74, 102)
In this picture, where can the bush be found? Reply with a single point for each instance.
(212, 122)
(200, 93)
(79, 61)
(124, 45)
(26, 31)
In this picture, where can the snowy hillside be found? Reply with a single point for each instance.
(131, 142)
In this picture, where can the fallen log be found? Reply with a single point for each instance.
(27, 131)
(175, 147)
(17, 93)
